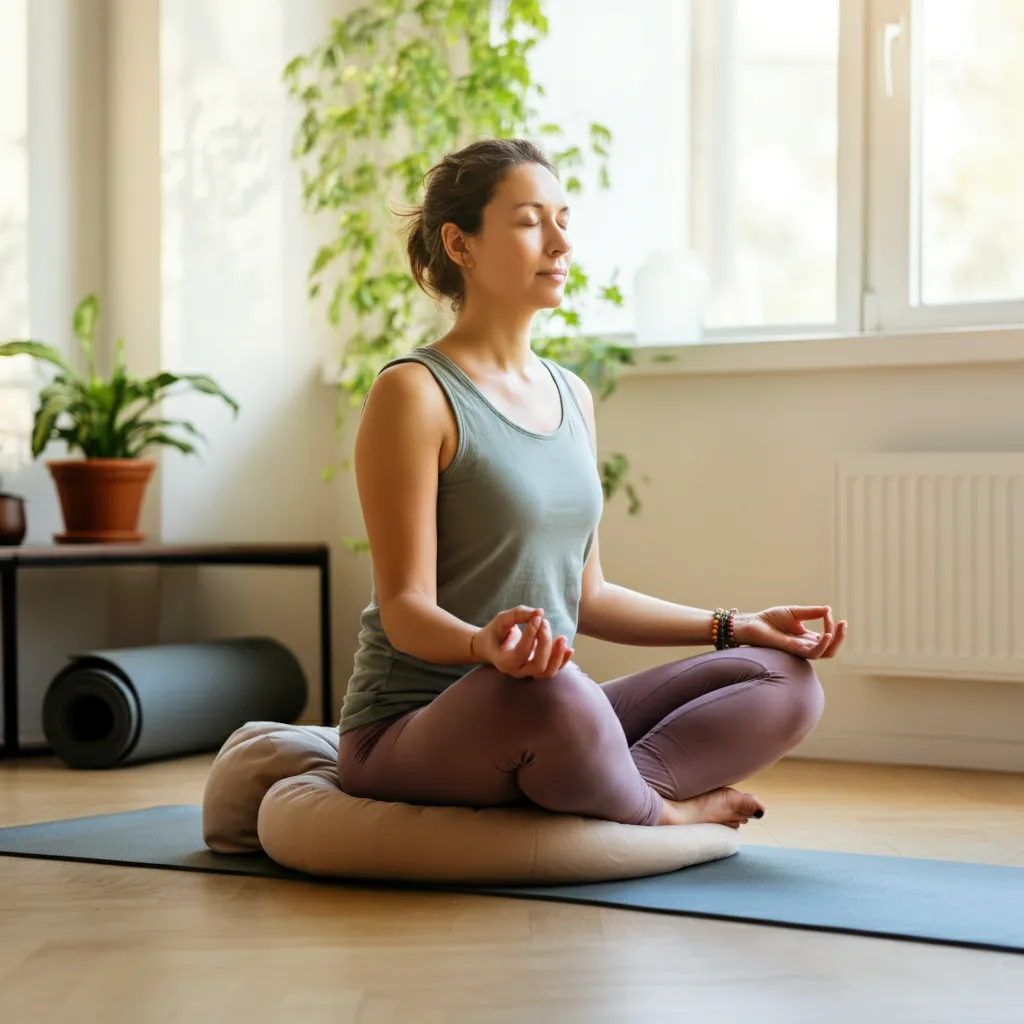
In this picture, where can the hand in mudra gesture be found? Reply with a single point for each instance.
(518, 642)
(783, 627)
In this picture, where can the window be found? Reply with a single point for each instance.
(836, 165)
(970, 183)
(13, 182)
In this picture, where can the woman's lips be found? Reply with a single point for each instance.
(554, 275)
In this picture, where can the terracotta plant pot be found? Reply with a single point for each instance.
(12, 520)
(101, 499)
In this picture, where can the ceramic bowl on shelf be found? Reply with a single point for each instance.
(12, 520)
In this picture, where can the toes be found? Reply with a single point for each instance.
(752, 806)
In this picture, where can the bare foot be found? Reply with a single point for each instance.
(724, 806)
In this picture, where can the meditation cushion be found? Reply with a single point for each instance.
(274, 787)
(252, 759)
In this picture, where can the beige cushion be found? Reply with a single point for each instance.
(252, 759)
(306, 822)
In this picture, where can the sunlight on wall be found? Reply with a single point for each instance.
(13, 178)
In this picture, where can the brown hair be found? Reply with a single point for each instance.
(457, 190)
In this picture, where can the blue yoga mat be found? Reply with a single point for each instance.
(978, 905)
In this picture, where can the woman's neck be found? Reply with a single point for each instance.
(501, 340)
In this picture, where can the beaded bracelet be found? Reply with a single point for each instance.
(722, 633)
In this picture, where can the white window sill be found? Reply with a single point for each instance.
(800, 353)
(834, 352)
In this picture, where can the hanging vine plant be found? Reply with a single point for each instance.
(394, 86)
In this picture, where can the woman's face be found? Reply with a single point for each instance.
(522, 253)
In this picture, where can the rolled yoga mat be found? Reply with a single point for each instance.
(979, 905)
(117, 707)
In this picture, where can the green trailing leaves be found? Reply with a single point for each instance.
(392, 87)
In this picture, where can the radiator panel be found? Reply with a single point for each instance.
(930, 553)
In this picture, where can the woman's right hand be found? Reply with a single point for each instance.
(507, 642)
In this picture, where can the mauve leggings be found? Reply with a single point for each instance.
(569, 744)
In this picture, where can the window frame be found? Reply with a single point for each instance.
(892, 216)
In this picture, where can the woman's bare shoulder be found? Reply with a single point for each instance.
(407, 385)
(405, 401)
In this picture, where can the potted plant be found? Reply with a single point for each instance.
(110, 422)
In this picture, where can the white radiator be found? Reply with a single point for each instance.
(930, 551)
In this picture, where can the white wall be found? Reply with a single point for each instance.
(235, 249)
(768, 494)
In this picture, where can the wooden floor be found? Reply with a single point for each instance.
(84, 942)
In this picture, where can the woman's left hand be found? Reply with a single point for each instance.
(783, 627)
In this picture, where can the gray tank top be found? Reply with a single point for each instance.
(517, 512)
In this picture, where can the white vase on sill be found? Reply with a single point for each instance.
(669, 299)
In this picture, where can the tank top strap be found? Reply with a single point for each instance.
(570, 403)
(565, 390)
(451, 383)
(428, 357)
(471, 427)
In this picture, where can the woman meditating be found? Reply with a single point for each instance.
(476, 465)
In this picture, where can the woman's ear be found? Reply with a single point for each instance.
(455, 245)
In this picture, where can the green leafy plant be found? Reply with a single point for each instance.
(106, 419)
(394, 86)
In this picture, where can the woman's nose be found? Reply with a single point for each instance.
(559, 243)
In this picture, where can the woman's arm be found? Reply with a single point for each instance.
(620, 616)
(610, 612)
(397, 450)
